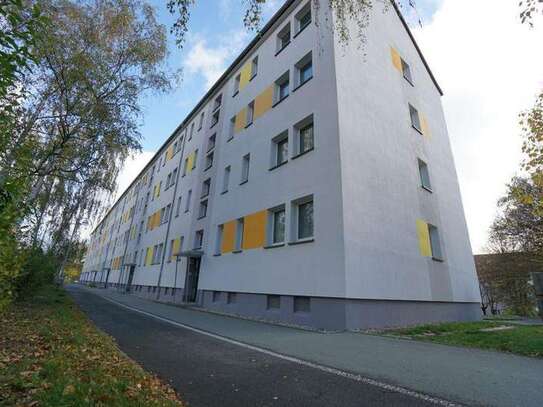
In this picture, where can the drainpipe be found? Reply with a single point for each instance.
(165, 246)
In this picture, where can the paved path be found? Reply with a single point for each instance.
(464, 375)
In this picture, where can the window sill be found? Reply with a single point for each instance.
(301, 29)
(248, 125)
(302, 84)
(282, 48)
(304, 153)
(217, 255)
(438, 259)
(204, 196)
(244, 182)
(408, 80)
(301, 241)
(278, 165)
(427, 189)
(209, 149)
(200, 217)
(213, 124)
(253, 76)
(235, 93)
(237, 251)
(417, 129)
(207, 168)
(275, 245)
(279, 101)
(230, 139)
(224, 192)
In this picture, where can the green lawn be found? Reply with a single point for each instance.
(519, 339)
(51, 355)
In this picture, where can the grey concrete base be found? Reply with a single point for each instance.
(330, 314)
(341, 314)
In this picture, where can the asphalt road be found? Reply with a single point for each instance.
(209, 372)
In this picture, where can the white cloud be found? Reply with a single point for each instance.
(211, 61)
(490, 68)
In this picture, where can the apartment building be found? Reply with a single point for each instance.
(313, 184)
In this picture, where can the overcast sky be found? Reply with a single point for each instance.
(488, 64)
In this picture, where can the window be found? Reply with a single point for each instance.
(254, 67)
(205, 188)
(167, 213)
(302, 304)
(211, 142)
(424, 175)
(170, 251)
(218, 241)
(158, 254)
(174, 177)
(245, 163)
(406, 70)
(215, 118)
(185, 166)
(278, 225)
(216, 296)
(250, 113)
(187, 203)
(198, 239)
(231, 298)
(280, 150)
(237, 80)
(209, 161)
(283, 38)
(415, 120)
(273, 302)
(203, 209)
(168, 180)
(304, 136)
(303, 17)
(239, 233)
(282, 87)
(435, 243)
(304, 68)
(232, 128)
(217, 103)
(226, 179)
(162, 217)
(302, 218)
(178, 207)
(195, 159)
(191, 131)
(201, 123)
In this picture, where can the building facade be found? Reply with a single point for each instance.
(313, 184)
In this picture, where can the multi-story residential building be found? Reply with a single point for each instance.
(313, 184)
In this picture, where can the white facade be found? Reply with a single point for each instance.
(382, 250)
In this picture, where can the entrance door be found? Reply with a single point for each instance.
(191, 280)
(130, 278)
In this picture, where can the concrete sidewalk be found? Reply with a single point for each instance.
(464, 375)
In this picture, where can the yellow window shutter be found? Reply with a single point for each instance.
(228, 237)
(245, 75)
(424, 126)
(254, 230)
(263, 102)
(175, 248)
(424, 238)
(241, 120)
(169, 153)
(396, 59)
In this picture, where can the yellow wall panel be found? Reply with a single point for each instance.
(245, 75)
(169, 153)
(424, 124)
(228, 237)
(396, 59)
(241, 120)
(424, 238)
(263, 102)
(254, 230)
(176, 248)
(190, 162)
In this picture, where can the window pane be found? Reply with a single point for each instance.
(305, 20)
(283, 90)
(279, 226)
(282, 151)
(305, 220)
(306, 73)
(306, 138)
